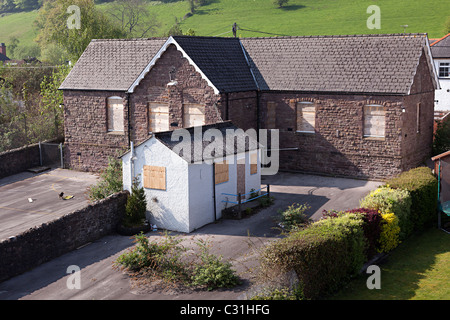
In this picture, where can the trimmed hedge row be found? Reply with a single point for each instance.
(326, 253)
(422, 186)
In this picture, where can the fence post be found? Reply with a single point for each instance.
(40, 154)
(61, 155)
(268, 190)
(239, 206)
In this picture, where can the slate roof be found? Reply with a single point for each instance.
(111, 64)
(198, 153)
(441, 47)
(355, 64)
(222, 61)
(384, 64)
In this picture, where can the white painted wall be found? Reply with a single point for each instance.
(187, 203)
(169, 208)
(442, 96)
(201, 201)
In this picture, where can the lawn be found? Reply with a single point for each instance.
(419, 269)
(298, 17)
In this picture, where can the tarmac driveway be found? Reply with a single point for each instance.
(237, 240)
(28, 199)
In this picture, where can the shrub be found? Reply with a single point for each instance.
(212, 272)
(323, 255)
(372, 228)
(389, 237)
(110, 181)
(396, 201)
(162, 258)
(423, 188)
(294, 216)
(136, 206)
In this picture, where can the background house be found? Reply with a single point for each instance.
(440, 49)
(183, 190)
(358, 106)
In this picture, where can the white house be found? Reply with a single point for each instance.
(187, 174)
(440, 50)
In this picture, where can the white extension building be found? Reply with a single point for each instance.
(184, 190)
(440, 50)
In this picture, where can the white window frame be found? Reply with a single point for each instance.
(303, 104)
(112, 127)
(444, 65)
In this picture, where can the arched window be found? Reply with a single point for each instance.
(115, 114)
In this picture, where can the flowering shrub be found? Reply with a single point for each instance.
(389, 237)
(395, 201)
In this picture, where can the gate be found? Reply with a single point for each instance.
(51, 155)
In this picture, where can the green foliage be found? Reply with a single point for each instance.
(158, 257)
(265, 202)
(390, 230)
(212, 272)
(163, 258)
(295, 293)
(323, 255)
(397, 201)
(422, 186)
(110, 181)
(52, 23)
(136, 206)
(294, 216)
(441, 141)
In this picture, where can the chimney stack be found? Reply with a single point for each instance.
(3, 48)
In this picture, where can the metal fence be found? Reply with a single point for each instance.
(51, 155)
(240, 196)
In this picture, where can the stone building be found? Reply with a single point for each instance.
(359, 106)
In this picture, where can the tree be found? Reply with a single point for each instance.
(50, 107)
(53, 20)
(133, 18)
(441, 142)
(280, 3)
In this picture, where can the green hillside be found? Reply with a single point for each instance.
(298, 17)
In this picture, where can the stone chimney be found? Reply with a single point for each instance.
(3, 48)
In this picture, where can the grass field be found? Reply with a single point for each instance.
(419, 269)
(299, 17)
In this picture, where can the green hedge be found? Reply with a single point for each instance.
(323, 255)
(423, 188)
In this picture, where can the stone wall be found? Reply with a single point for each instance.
(18, 160)
(50, 240)
(338, 147)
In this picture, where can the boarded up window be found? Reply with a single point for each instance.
(374, 121)
(271, 115)
(306, 117)
(155, 177)
(221, 172)
(194, 115)
(158, 117)
(115, 114)
(253, 163)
